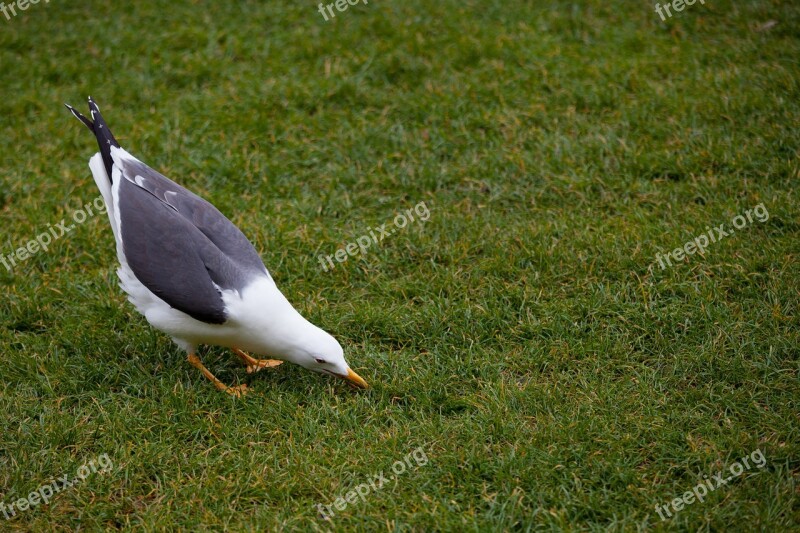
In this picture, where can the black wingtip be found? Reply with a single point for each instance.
(88, 123)
(105, 139)
(93, 108)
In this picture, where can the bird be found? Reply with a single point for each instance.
(195, 276)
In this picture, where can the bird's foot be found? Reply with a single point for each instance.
(238, 391)
(263, 363)
(253, 364)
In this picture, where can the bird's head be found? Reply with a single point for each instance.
(284, 334)
(322, 353)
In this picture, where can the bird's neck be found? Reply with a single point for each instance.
(272, 327)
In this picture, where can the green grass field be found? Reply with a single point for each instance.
(524, 337)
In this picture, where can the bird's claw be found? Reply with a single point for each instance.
(262, 364)
(253, 364)
(238, 391)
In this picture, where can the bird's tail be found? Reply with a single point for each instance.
(105, 139)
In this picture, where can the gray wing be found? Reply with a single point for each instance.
(179, 245)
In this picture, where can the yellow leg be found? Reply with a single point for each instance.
(253, 364)
(236, 391)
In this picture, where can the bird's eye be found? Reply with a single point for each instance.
(320, 361)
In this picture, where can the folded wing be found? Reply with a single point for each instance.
(178, 245)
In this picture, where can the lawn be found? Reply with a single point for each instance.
(536, 359)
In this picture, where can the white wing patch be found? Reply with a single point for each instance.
(168, 196)
(141, 182)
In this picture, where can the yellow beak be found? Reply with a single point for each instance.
(355, 380)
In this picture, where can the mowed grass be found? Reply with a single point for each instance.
(522, 336)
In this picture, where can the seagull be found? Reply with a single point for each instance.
(194, 275)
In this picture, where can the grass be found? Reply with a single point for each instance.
(521, 336)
